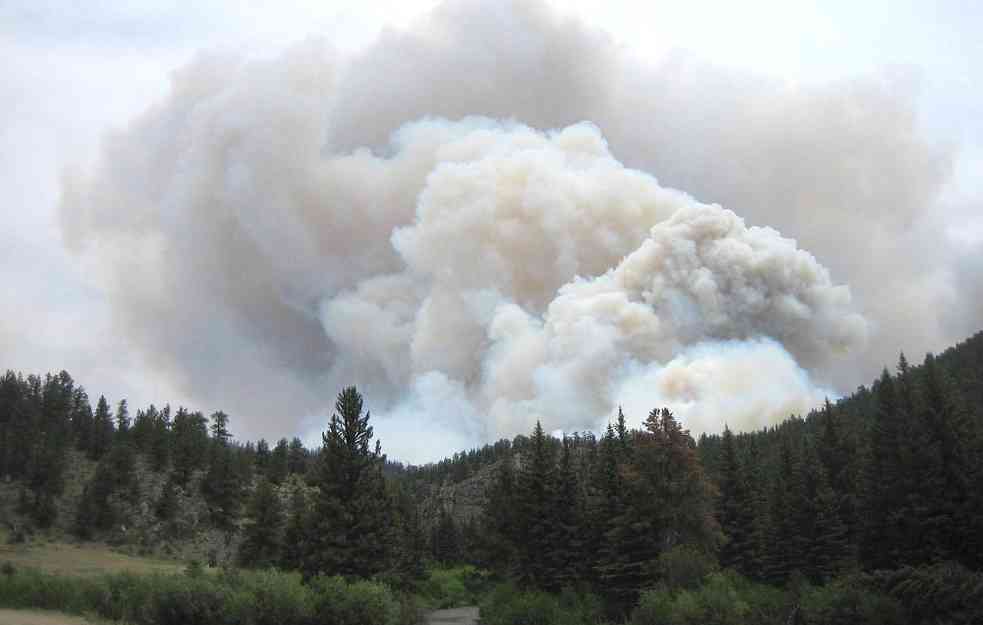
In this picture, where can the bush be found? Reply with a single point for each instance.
(338, 602)
(231, 598)
(184, 601)
(723, 599)
(848, 601)
(685, 567)
(942, 593)
(448, 587)
(507, 606)
(272, 598)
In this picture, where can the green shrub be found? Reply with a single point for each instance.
(848, 601)
(338, 602)
(184, 601)
(505, 605)
(271, 598)
(447, 587)
(723, 599)
(942, 593)
(685, 566)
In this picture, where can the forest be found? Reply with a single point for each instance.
(867, 510)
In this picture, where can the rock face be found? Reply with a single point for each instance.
(464, 500)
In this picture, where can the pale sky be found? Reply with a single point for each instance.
(72, 72)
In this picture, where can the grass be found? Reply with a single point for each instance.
(83, 560)
(40, 617)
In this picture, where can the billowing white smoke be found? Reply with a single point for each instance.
(433, 221)
(540, 276)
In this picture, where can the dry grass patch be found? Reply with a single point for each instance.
(39, 617)
(86, 559)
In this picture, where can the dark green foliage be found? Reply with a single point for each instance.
(262, 536)
(296, 457)
(942, 593)
(445, 541)
(222, 486)
(189, 444)
(348, 531)
(102, 430)
(244, 598)
(534, 510)
(295, 534)
(279, 467)
(506, 605)
(724, 599)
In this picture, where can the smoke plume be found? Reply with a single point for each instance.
(464, 219)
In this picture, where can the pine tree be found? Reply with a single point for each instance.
(408, 540)
(296, 532)
(534, 496)
(261, 542)
(222, 486)
(160, 440)
(262, 455)
(189, 444)
(279, 466)
(732, 505)
(499, 520)
(567, 544)
(82, 420)
(296, 457)
(102, 430)
(947, 479)
(445, 541)
(167, 505)
(348, 532)
(830, 546)
(781, 556)
(122, 420)
(882, 537)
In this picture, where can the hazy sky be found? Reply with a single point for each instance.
(72, 74)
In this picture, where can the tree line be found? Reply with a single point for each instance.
(883, 479)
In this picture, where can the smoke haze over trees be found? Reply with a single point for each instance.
(481, 245)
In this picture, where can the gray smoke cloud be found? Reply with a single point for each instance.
(464, 219)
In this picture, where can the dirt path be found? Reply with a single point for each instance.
(38, 617)
(455, 616)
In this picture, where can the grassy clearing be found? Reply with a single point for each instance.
(39, 617)
(83, 560)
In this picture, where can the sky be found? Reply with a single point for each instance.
(86, 90)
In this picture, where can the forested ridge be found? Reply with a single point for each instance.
(877, 493)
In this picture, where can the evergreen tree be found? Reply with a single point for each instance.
(499, 520)
(882, 537)
(167, 505)
(445, 542)
(261, 542)
(348, 532)
(296, 457)
(222, 485)
(947, 477)
(160, 442)
(279, 466)
(82, 420)
(567, 557)
(534, 498)
(189, 444)
(102, 430)
(262, 455)
(732, 505)
(122, 420)
(295, 534)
